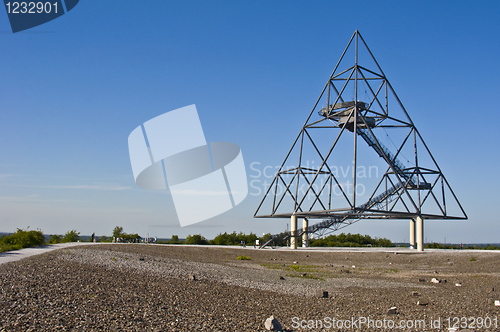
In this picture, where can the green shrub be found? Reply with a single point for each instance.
(436, 245)
(132, 238)
(244, 258)
(71, 236)
(124, 237)
(55, 239)
(196, 239)
(118, 232)
(279, 240)
(21, 239)
(234, 239)
(350, 240)
(174, 240)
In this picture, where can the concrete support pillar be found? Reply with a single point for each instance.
(293, 228)
(305, 224)
(413, 239)
(420, 234)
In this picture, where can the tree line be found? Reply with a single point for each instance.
(30, 238)
(340, 240)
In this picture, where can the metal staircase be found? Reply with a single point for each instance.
(382, 151)
(377, 201)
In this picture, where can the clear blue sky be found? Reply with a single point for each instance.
(73, 89)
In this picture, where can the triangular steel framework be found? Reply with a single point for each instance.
(403, 191)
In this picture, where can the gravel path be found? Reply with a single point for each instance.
(244, 274)
(150, 288)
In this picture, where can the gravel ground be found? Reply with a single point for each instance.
(150, 288)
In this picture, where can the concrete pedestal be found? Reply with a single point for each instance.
(305, 224)
(420, 234)
(413, 238)
(293, 228)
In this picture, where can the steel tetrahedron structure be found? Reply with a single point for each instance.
(358, 125)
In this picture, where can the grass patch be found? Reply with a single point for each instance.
(272, 266)
(244, 258)
(296, 267)
(308, 276)
(304, 268)
(472, 259)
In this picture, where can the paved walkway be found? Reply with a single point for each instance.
(15, 255)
